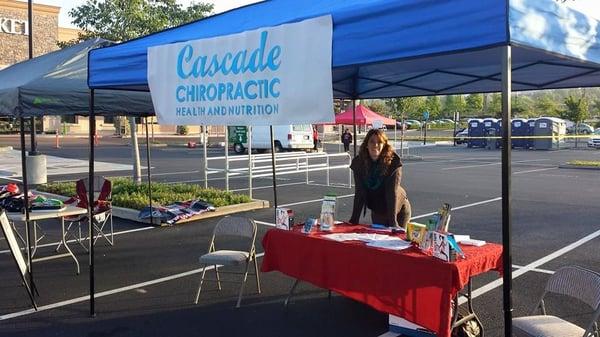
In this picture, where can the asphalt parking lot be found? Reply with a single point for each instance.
(146, 282)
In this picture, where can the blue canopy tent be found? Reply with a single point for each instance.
(396, 48)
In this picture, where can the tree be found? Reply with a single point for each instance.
(576, 109)
(377, 106)
(521, 105)
(474, 104)
(433, 104)
(122, 20)
(495, 106)
(546, 105)
(409, 107)
(452, 104)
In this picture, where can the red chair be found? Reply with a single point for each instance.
(102, 212)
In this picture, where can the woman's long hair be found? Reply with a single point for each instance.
(385, 157)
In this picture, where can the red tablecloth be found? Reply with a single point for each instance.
(405, 283)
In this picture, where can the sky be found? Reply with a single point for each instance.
(66, 5)
(591, 7)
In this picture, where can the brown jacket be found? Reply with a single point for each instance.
(388, 203)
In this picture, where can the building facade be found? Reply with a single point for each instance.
(14, 48)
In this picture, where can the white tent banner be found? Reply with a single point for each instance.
(269, 76)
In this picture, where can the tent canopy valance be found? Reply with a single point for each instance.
(56, 84)
(364, 116)
(393, 48)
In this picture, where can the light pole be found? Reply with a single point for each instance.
(33, 151)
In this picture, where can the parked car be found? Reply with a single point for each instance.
(583, 129)
(461, 136)
(594, 140)
(286, 137)
(413, 123)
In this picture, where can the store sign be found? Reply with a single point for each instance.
(270, 76)
(13, 26)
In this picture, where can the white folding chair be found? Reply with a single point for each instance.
(231, 227)
(572, 281)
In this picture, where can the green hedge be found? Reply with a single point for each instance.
(130, 195)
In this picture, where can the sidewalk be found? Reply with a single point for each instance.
(10, 166)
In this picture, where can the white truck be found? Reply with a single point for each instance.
(287, 137)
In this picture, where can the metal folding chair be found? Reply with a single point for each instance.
(576, 282)
(231, 227)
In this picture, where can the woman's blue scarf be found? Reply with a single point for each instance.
(374, 176)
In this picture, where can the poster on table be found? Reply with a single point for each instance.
(269, 76)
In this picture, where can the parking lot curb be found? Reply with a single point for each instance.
(132, 214)
(579, 167)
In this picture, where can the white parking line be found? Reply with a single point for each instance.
(459, 207)
(269, 186)
(538, 170)
(533, 265)
(545, 271)
(314, 200)
(54, 244)
(490, 164)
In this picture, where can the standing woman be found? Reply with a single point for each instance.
(377, 175)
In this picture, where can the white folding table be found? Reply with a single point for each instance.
(50, 214)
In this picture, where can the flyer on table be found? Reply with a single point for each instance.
(269, 76)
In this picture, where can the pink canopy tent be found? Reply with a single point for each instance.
(363, 116)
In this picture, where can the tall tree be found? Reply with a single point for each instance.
(576, 109)
(546, 105)
(474, 104)
(453, 103)
(521, 106)
(433, 104)
(122, 20)
(495, 106)
(409, 107)
(378, 106)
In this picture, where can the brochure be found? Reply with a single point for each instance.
(327, 217)
(441, 247)
(284, 218)
(415, 232)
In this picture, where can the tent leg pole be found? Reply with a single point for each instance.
(205, 134)
(148, 172)
(227, 158)
(273, 166)
(26, 202)
(250, 161)
(506, 191)
(91, 202)
(354, 124)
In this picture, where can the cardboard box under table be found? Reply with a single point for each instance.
(406, 283)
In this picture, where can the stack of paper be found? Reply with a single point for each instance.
(473, 242)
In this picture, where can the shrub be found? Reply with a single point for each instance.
(182, 130)
(130, 195)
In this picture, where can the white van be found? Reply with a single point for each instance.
(287, 137)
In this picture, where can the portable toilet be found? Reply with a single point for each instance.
(530, 129)
(552, 130)
(492, 129)
(519, 128)
(476, 129)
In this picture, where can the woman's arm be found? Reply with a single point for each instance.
(394, 196)
(359, 199)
